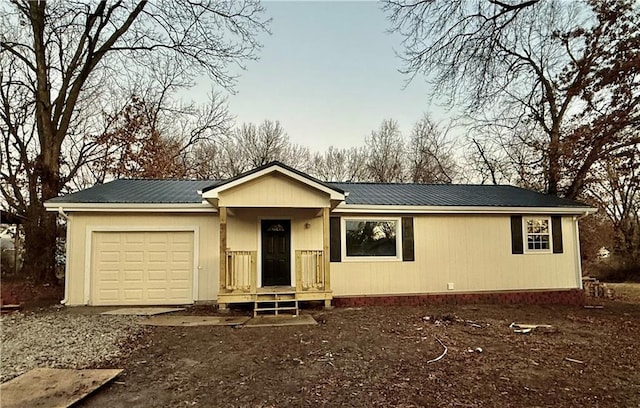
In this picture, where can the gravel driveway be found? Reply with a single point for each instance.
(59, 338)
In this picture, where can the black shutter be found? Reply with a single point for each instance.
(334, 239)
(556, 231)
(407, 239)
(516, 234)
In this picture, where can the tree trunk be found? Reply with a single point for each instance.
(554, 162)
(40, 228)
(40, 244)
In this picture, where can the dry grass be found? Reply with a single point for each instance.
(627, 292)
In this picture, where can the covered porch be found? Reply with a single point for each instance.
(274, 239)
(270, 255)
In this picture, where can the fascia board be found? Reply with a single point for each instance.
(129, 207)
(410, 209)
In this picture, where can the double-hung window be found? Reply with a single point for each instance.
(537, 234)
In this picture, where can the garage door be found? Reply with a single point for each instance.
(142, 268)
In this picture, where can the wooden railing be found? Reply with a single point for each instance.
(240, 272)
(310, 270)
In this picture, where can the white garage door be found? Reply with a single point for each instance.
(142, 268)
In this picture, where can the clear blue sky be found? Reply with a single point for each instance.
(329, 74)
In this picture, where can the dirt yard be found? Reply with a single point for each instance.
(379, 357)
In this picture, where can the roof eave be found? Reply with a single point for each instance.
(416, 209)
(129, 207)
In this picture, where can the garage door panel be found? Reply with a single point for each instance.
(158, 275)
(107, 276)
(142, 268)
(133, 276)
(180, 239)
(180, 256)
(132, 295)
(134, 256)
(133, 238)
(111, 239)
(157, 256)
(160, 238)
(157, 294)
(177, 276)
(109, 294)
(110, 256)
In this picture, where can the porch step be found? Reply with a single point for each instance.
(275, 303)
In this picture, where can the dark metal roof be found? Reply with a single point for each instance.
(140, 192)
(437, 195)
(465, 195)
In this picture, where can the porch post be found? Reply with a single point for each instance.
(222, 214)
(325, 249)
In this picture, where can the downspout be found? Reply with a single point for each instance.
(66, 261)
(577, 240)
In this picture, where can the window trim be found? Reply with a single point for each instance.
(343, 240)
(525, 235)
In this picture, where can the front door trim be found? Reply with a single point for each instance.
(292, 246)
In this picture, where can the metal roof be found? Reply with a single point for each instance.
(436, 195)
(139, 192)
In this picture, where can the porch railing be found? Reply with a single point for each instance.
(310, 270)
(241, 271)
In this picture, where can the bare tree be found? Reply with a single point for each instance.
(60, 55)
(262, 144)
(430, 154)
(385, 153)
(249, 146)
(534, 65)
(335, 164)
(615, 188)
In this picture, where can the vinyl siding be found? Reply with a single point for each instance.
(273, 190)
(207, 247)
(472, 252)
(243, 231)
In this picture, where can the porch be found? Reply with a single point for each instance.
(274, 237)
(302, 273)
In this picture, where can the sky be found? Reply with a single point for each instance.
(330, 74)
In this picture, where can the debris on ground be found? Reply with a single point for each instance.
(521, 328)
(444, 353)
(53, 387)
(347, 365)
(10, 308)
(448, 318)
(573, 360)
(593, 288)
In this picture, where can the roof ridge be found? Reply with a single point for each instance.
(162, 179)
(396, 183)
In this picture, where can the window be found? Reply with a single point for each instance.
(538, 234)
(372, 238)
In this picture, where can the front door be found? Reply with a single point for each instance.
(276, 253)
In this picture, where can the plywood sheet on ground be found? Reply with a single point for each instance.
(275, 321)
(194, 321)
(50, 387)
(143, 311)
